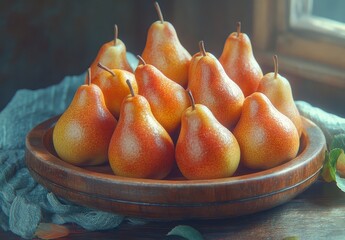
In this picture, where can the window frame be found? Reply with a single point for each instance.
(303, 19)
(309, 54)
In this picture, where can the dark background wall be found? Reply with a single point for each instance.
(41, 41)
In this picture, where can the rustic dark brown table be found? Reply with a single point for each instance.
(317, 213)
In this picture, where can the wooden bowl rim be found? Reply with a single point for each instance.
(311, 134)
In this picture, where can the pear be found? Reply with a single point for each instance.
(267, 137)
(239, 62)
(212, 87)
(164, 50)
(140, 147)
(113, 84)
(82, 134)
(205, 149)
(112, 55)
(167, 98)
(340, 164)
(278, 90)
(196, 57)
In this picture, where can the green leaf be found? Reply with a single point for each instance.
(186, 232)
(333, 157)
(326, 175)
(336, 162)
(334, 166)
(338, 141)
(340, 182)
(291, 238)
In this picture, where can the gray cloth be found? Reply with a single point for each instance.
(24, 203)
(330, 124)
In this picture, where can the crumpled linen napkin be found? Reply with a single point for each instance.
(330, 124)
(24, 203)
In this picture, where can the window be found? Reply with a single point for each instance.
(309, 38)
(319, 16)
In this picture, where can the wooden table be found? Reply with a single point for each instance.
(317, 213)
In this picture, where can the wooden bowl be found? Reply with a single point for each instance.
(174, 198)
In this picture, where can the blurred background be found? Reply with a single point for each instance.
(44, 40)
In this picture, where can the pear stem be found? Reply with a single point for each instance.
(116, 34)
(202, 48)
(89, 76)
(105, 68)
(159, 12)
(130, 87)
(275, 61)
(238, 26)
(191, 98)
(141, 60)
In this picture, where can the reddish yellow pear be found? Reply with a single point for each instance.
(267, 137)
(113, 84)
(212, 87)
(239, 62)
(82, 134)
(205, 149)
(140, 147)
(164, 50)
(278, 90)
(196, 57)
(167, 98)
(112, 55)
(340, 165)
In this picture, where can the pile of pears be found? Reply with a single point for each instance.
(204, 115)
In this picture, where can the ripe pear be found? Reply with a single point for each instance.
(196, 57)
(239, 62)
(113, 84)
(167, 98)
(267, 137)
(82, 134)
(212, 87)
(340, 164)
(140, 147)
(112, 55)
(164, 50)
(278, 90)
(205, 149)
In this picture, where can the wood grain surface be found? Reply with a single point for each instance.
(317, 213)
